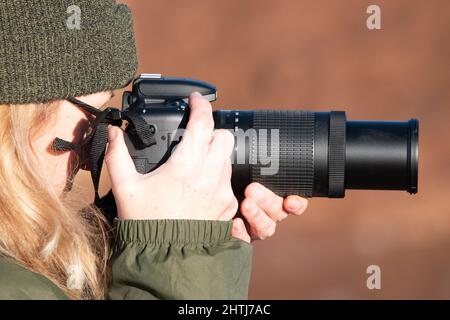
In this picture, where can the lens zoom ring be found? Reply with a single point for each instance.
(294, 150)
(336, 155)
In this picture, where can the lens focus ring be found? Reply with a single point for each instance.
(295, 151)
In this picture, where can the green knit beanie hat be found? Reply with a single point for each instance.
(52, 49)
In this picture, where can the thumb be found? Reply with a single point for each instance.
(117, 158)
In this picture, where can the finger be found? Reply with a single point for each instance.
(200, 126)
(295, 205)
(261, 225)
(221, 147)
(117, 158)
(239, 230)
(268, 201)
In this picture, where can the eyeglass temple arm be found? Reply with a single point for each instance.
(85, 106)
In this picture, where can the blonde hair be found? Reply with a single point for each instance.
(40, 229)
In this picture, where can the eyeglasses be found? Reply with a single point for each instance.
(102, 118)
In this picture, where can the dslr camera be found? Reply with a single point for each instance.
(311, 154)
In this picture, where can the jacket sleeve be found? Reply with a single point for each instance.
(18, 283)
(179, 259)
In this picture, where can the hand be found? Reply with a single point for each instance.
(195, 182)
(263, 209)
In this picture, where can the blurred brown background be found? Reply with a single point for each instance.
(319, 55)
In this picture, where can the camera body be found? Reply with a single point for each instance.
(163, 104)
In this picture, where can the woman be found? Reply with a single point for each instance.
(175, 236)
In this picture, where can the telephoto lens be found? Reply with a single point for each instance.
(320, 154)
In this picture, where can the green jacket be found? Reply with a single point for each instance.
(157, 259)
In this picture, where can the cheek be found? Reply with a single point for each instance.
(56, 167)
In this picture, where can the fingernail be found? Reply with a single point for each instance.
(196, 93)
(112, 134)
(296, 204)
